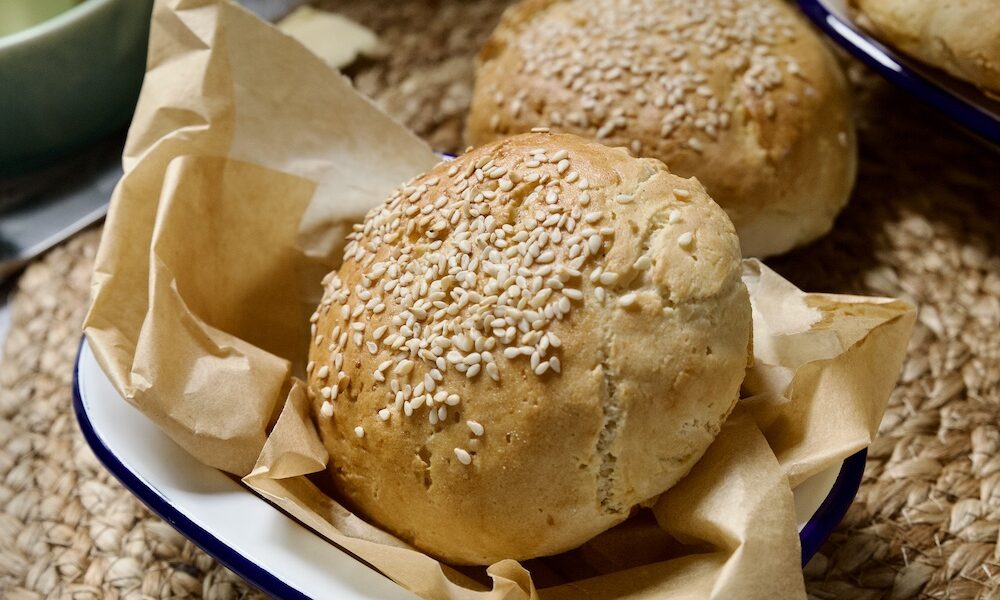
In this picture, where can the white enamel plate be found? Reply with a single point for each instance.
(270, 549)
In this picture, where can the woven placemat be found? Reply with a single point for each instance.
(922, 225)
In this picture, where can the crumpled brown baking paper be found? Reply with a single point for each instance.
(246, 164)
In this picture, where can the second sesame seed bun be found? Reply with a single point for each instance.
(566, 388)
(738, 93)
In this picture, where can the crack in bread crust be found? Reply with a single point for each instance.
(609, 432)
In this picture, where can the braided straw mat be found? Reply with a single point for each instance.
(922, 225)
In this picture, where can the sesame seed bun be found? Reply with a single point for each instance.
(963, 38)
(574, 316)
(738, 93)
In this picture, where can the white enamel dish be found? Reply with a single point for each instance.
(270, 549)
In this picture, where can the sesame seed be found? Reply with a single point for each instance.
(642, 263)
(403, 367)
(674, 217)
(685, 240)
(359, 431)
(594, 243)
(476, 428)
(608, 278)
(681, 193)
(383, 414)
(323, 372)
(627, 300)
(463, 456)
(326, 409)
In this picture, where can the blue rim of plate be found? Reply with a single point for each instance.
(813, 534)
(831, 512)
(256, 575)
(890, 65)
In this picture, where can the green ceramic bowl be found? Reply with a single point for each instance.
(70, 80)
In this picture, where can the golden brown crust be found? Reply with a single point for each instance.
(962, 36)
(764, 123)
(646, 375)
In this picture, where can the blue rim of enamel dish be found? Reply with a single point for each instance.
(813, 534)
(977, 119)
(831, 512)
(256, 575)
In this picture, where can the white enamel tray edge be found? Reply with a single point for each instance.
(279, 555)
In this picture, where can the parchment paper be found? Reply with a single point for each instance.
(246, 164)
